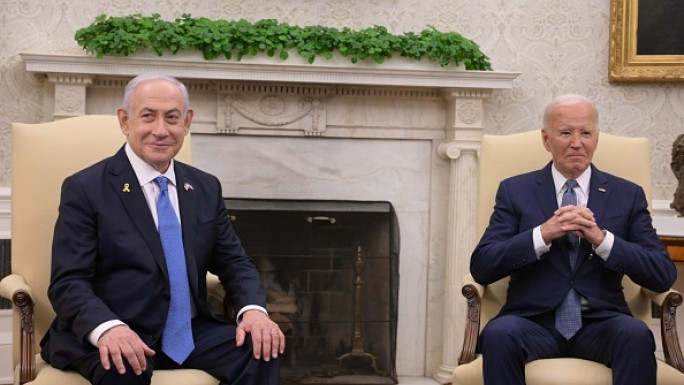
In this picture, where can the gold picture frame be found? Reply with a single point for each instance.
(626, 65)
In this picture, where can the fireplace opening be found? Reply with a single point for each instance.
(330, 273)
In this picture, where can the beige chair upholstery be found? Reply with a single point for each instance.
(508, 155)
(42, 156)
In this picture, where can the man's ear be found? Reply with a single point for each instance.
(545, 139)
(188, 120)
(123, 120)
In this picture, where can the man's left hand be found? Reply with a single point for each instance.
(581, 222)
(267, 338)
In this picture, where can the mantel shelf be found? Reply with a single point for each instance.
(406, 74)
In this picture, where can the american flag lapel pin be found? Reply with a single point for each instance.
(187, 186)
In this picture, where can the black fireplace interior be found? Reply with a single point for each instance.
(330, 272)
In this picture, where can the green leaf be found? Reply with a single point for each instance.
(126, 35)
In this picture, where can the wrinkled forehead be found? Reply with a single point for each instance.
(577, 115)
(155, 90)
(575, 103)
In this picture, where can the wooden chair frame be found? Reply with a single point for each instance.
(668, 303)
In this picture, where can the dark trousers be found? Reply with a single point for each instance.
(621, 342)
(215, 353)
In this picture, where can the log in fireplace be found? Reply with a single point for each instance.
(330, 272)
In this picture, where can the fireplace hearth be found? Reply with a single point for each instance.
(330, 272)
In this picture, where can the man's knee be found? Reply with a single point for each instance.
(501, 332)
(112, 377)
(634, 333)
(91, 368)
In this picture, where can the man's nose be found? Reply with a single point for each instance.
(160, 128)
(576, 139)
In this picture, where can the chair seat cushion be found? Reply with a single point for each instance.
(562, 371)
(47, 375)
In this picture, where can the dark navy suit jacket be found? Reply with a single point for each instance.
(108, 261)
(539, 285)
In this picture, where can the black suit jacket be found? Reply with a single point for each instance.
(108, 261)
(539, 285)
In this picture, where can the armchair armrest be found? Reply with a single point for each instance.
(473, 292)
(14, 284)
(217, 300)
(15, 288)
(668, 302)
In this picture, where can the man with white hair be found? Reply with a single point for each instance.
(135, 237)
(566, 235)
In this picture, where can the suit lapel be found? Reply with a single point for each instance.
(599, 193)
(124, 181)
(599, 198)
(187, 200)
(545, 194)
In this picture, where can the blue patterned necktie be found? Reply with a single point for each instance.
(569, 312)
(177, 342)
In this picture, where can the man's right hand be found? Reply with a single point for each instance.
(568, 219)
(121, 342)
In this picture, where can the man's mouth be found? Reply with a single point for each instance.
(160, 145)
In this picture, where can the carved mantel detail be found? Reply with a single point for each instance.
(278, 109)
(70, 93)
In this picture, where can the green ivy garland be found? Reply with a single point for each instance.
(126, 35)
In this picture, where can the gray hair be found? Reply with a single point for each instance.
(566, 100)
(136, 81)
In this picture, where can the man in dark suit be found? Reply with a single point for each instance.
(566, 259)
(110, 284)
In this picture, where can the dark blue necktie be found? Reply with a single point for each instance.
(569, 312)
(177, 342)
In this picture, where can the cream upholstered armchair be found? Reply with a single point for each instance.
(42, 156)
(507, 155)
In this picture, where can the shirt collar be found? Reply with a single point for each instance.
(582, 181)
(144, 171)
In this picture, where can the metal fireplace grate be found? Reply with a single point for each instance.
(330, 271)
(5, 267)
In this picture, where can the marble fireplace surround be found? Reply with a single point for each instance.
(403, 133)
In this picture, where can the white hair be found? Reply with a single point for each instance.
(567, 100)
(136, 81)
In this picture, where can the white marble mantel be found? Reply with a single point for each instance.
(395, 73)
(404, 133)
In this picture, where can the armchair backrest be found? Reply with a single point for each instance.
(42, 156)
(502, 156)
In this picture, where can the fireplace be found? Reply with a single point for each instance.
(330, 272)
(405, 134)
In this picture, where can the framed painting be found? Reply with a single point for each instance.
(646, 41)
